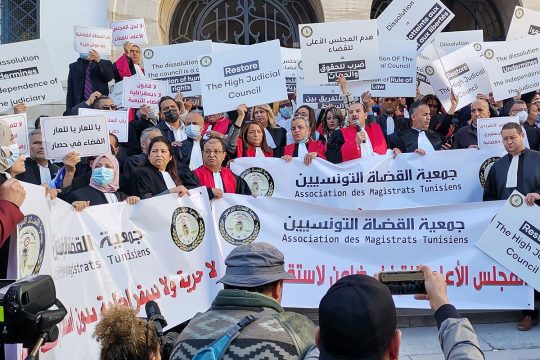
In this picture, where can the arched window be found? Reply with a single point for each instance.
(19, 20)
(240, 21)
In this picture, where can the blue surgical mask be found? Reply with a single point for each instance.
(84, 56)
(193, 131)
(286, 112)
(15, 153)
(103, 176)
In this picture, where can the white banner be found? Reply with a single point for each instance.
(27, 75)
(116, 93)
(290, 58)
(19, 129)
(379, 182)
(513, 67)
(322, 245)
(250, 75)
(89, 38)
(133, 31)
(137, 92)
(316, 96)
(117, 121)
(513, 239)
(349, 48)
(525, 22)
(450, 41)
(178, 65)
(489, 133)
(414, 20)
(88, 135)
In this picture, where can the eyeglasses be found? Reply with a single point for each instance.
(108, 107)
(213, 152)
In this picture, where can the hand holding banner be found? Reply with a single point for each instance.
(117, 121)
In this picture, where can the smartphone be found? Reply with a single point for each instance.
(404, 282)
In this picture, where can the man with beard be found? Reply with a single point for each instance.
(171, 126)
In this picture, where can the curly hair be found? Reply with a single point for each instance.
(122, 335)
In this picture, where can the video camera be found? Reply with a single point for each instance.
(24, 314)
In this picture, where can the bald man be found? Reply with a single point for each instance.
(467, 136)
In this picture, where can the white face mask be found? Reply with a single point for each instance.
(522, 116)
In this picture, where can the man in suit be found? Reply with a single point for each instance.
(39, 170)
(87, 75)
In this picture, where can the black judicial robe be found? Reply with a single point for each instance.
(147, 181)
(132, 163)
(95, 196)
(400, 123)
(32, 174)
(279, 135)
(407, 140)
(528, 176)
(186, 147)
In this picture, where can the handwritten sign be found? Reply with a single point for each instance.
(513, 67)
(27, 75)
(414, 20)
(88, 38)
(117, 121)
(525, 22)
(454, 40)
(137, 92)
(513, 239)
(397, 61)
(349, 48)
(133, 31)
(463, 73)
(489, 133)
(88, 135)
(252, 75)
(178, 65)
(316, 96)
(290, 58)
(19, 129)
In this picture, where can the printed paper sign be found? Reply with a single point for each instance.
(133, 31)
(451, 41)
(290, 58)
(137, 92)
(397, 60)
(525, 22)
(117, 121)
(349, 48)
(27, 75)
(424, 59)
(250, 75)
(98, 39)
(19, 129)
(513, 67)
(116, 93)
(178, 65)
(461, 72)
(414, 20)
(513, 239)
(489, 133)
(316, 96)
(87, 135)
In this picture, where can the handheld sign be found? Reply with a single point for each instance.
(27, 75)
(137, 92)
(117, 121)
(133, 31)
(98, 39)
(19, 129)
(424, 59)
(178, 65)
(316, 96)
(88, 135)
(525, 22)
(414, 20)
(451, 41)
(250, 75)
(116, 93)
(290, 58)
(349, 48)
(489, 133)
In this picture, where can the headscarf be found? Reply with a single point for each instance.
(5, 140)
(115, 184)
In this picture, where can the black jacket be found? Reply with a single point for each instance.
(95, 196)
(31, 175)
(146, 181)
(407, 140)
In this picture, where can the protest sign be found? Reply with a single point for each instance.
(451, 41)
(323, 244)
(525, 22)
(513, 239)
(178, 65)
(397, 61)
(137, 92)
(115, 255)
(89, 38)
(378, 182)
(290, 58)
(27, 75)
(220, 47)
(133, 31)
(463, 73)
(424, 59)
(116, 93)
(414, 20)
(489, 133)
(250, 75)
(513, 67)
(87, 135)
(316, 96)
(348, 48)
(117, 121)
(19, 129)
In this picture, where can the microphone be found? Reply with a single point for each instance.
(358, 128)
(154, 314)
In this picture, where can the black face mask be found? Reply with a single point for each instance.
(171, 115)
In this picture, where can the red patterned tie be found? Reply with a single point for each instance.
(87, 82)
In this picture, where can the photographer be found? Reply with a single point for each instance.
(122, 335)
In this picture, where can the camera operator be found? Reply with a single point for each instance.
(122, 335)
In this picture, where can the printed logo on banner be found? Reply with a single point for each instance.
(489, 54)
(187, 228)
(206, 61)
(306, 31)
(430, 70)
(259, 180)
(477, 47)
(519, 13)
(484, 169)
(516, 200)
(148, 53)
(31, 241)
(239, 225)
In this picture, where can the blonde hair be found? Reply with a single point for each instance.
(269, 113)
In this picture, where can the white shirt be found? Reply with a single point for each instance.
(195, 159)
(168, 180)
(259, 152)
(44, 174)
(302, 150)
(218, 181)
(179, 134)
(111, 198)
